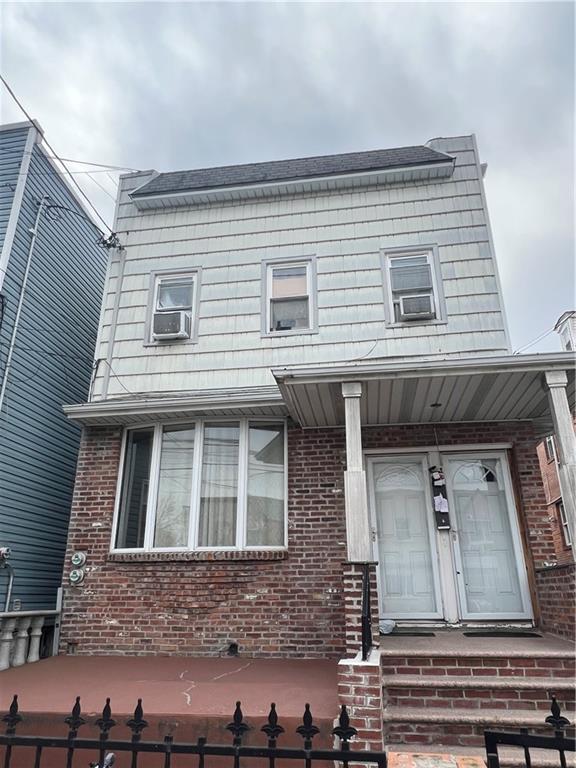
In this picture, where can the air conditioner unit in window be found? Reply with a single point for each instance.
(168, 326)
(420, 307)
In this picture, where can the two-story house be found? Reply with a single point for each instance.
(303, 366)
(51, 277)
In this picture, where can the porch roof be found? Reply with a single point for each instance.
(497, 388)
(258, 402)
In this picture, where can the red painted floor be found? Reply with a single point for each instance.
(174, 685)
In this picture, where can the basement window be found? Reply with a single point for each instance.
(203, 485)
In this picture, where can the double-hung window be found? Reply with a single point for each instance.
(174, 299)
(203, 485)
(412, 286)
(289, 297)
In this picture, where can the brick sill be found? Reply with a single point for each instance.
(170, 557)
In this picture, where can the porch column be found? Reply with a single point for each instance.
(357, 520)
(556, 382)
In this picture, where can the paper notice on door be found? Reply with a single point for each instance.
(440, 504)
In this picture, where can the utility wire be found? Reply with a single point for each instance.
(536, 340)
(51, 148)
(101, 187)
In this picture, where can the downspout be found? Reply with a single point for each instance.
(110, 347)
(34, 232)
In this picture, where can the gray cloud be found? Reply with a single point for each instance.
(182, 85)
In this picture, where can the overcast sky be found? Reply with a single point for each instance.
(183, 85)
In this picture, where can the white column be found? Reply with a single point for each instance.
(6, 640)
(35, 637)
(565, 443)
(21, 643)
(358, 534)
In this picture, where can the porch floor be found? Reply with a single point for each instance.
(174, 685)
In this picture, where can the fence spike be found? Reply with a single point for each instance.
(344, 730)
(556, 719)
(238, 727)
(105, 723)
(307, 730)
(137, 723)
(74, 719)
(272, 728)
(12, 718)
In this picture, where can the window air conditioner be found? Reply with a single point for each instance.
(419, 307)
(171, 325)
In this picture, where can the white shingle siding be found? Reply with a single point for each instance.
(346, 231)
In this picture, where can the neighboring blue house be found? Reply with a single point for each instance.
(51, 277)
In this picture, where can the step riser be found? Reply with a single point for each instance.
(478, 666)
(474, 698)
(447, 734)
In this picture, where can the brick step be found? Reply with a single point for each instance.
(454, 726)
(474, 692)
(533, 665)
(510, 757)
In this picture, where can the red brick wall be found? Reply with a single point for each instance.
(288, 607)
(557, 591)
(190, 604)
(549, 469)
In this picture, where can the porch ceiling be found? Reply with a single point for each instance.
(509, 388)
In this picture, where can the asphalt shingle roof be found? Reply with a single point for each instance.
(288, 170)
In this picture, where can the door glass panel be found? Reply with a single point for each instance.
(404, 554)
(489, 568)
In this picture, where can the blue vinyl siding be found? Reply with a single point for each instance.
(51, 365)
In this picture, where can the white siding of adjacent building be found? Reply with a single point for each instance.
(345, 231)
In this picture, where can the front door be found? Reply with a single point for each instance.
(475, 570)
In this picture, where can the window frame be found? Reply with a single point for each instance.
(563, 520)
(196, 487)
(156, 277)
(550, 449)
(268, 265)
(387, 255)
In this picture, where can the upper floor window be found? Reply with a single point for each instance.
(412, 286)
(203, 485)
(550, 448)
(173, 309)
(289, 296)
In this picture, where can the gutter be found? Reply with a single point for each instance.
(497, 364)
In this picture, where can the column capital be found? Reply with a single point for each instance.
(352, 389)
(556, 378)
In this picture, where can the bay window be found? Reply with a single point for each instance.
(203, 485)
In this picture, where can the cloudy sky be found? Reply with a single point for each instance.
(183, 85)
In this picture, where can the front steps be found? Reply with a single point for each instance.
(445, 699)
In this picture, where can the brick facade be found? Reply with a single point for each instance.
(557, 592)
(296, 604)
(549, 468)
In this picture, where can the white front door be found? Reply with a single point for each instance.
(408, 575)
(481, 574)
(491, 578)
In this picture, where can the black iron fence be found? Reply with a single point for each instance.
(366, 612)
(525, 741)
(104, 750)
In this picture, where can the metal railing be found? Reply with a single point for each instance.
(557, 743)
(366, 612)
(104, 748)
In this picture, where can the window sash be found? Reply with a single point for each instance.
(187, 282)
(194, 516)
(564, 523)
(270, 298)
